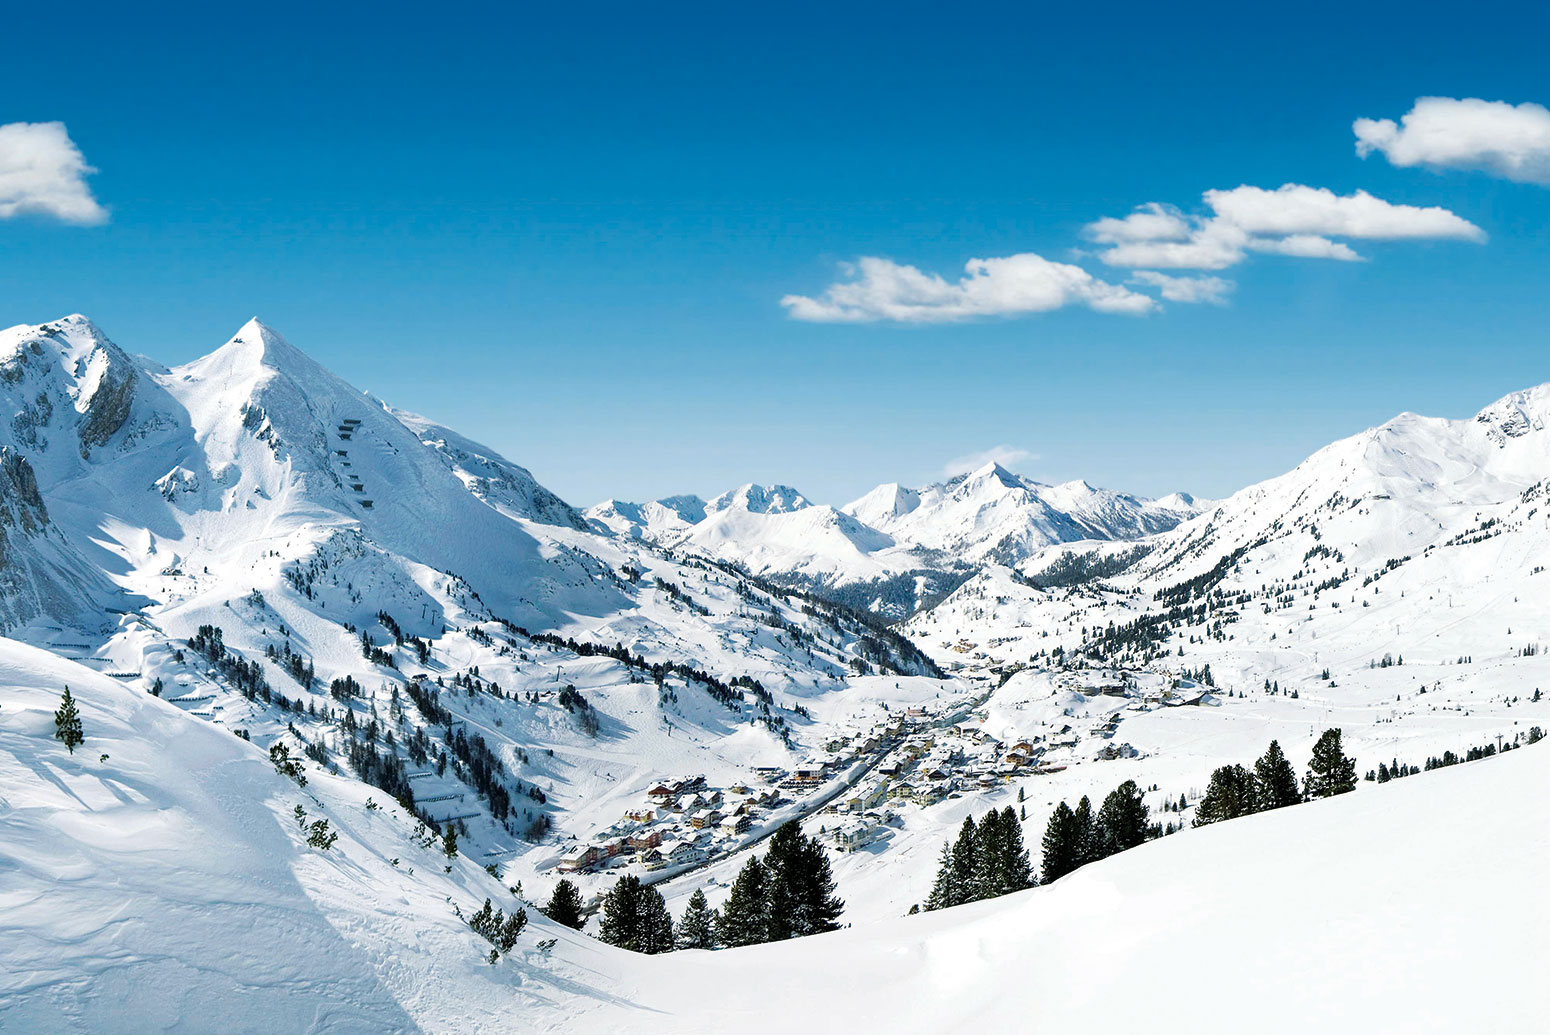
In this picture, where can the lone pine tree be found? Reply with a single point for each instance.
(565, 906)
(1060, 844)
(67, 723)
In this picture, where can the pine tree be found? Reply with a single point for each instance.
(636, 918)
(656, 923)
(800, 886)
(565, 906)
(1230, 794)
(1275, 781)
(964, 870)
(1012, 869)
(1330, 772)
(697, 927)
(945, 891)
(67, 723)
(449, 842)
(1059, 844)
(1124, 818)
(745, 915)
(1085, 828)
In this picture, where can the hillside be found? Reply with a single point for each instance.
(195, 904)
(274, 551)
(651, 690)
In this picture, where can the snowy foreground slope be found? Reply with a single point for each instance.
(167, 888)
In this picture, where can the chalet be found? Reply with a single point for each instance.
(644, 839)
(852, 837)
(580, 857)
(641, 815)
(704, 818)
(661, 795)
(735, 825)
(671, 853)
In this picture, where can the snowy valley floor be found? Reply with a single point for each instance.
(167, 888)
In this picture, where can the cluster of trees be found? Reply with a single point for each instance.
(374, 654)
(581, 708)
(788, 893)
(422, 650)
(345, 688)
(495, 927)
(1236, 791)
(1395, 769)
(1076, 837)
(298, 667)
(727, 693)
(987, 860)
(635, 917)
(247, 676)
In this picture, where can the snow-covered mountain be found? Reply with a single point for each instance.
(276, 555)
(993, 515)
(1423, 537)
(895, 548)
(273, 549)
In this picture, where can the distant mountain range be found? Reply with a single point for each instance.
(896, 548)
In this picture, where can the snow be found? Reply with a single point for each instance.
(892, 532)
(139, 503)
(190, 902)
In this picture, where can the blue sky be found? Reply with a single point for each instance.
(568, 232)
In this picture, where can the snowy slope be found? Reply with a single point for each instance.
(1423, 537)
(1384, 916)
(329, 537)
(194, 905)
(155, 880)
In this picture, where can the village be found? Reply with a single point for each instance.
(863, 783)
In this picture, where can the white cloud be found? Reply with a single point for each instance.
(880, 289)
(1006, 456)
(1211, 245)
(43, 173)
(1305, 246)
(1292, 220)
(1512, 141)
(1294, 210)
(1213, 290)
(1151, 222)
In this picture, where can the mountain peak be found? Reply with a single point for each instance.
(760, 499)
(254, 351)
